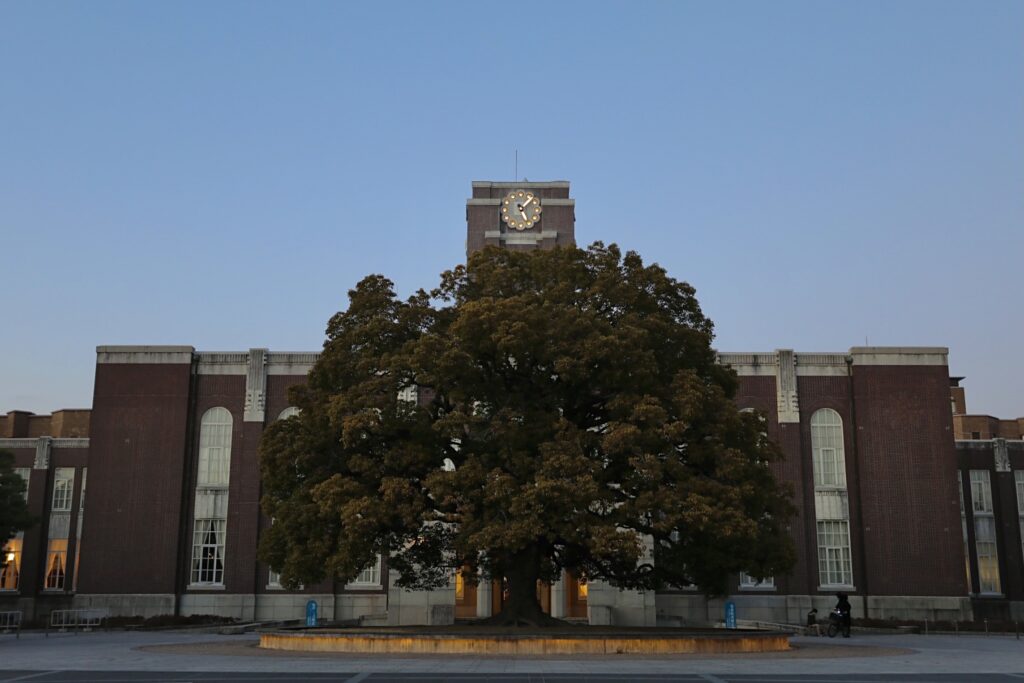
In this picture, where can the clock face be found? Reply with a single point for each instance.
(520, 209)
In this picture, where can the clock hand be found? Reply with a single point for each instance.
(527, 202)
(521, 212)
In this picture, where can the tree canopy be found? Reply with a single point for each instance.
(576, 401)
(14, 514)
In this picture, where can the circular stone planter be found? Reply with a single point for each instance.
(493, 641)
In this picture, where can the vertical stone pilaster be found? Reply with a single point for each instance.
(44, 445)
(1000, 455)
(256, 386)
(558, 597)
(787, 401)
(483, 598)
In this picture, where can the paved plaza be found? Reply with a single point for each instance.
(115, 656)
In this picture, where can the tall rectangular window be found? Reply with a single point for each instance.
(63, 489)
(10, 561)
(56, 563)
(834, 560)
(831, 500)
(78, 535)
(24, 473)
(985, 532)
(963, 529)
(10, 564)
(215, 448)
(1019, 480)
(208, 551)
(211, 498)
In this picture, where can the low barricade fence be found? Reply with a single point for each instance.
(10, 621)
(75, 619)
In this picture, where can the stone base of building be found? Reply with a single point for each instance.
(241, 606)
(607, 607)
(127, 605)
(684, 609)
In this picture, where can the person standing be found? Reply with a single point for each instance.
(843, 606)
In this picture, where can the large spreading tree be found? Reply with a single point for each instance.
(14, 513)
(537, 411)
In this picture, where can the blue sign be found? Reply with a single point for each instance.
(311, 613)
(730, 614)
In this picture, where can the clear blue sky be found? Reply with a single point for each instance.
(220, 174)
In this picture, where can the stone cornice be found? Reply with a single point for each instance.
(156, 355)
(55, 443)
(518, 184)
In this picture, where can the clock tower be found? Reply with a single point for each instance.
(520, 215)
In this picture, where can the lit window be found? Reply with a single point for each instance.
(460, 586)
(831, 503)
(985, 532)
(208, 551)
(273, 579)
(56, 563)
(582, 590)
(10, 564)
(214, 448)
(63, 488)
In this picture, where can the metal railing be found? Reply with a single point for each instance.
(75, 619)
(10, 621)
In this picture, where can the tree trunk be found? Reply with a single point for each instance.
(522, 607)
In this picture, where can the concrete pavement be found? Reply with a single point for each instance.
(175, 651)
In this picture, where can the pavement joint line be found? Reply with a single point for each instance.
(28, 676)
(712, 678)
(358, 677)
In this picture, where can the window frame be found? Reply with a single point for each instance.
(197, 572)
(986, 537)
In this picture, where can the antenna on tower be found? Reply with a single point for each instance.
(515, 172)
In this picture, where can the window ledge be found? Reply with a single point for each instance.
(759, 589)
(834, 588)
(205, 587)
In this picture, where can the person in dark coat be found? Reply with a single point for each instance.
(844, 607)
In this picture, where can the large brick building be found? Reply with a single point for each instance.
(173, 509)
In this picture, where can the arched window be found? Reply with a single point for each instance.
(831, 503)
(827, 445)
(214, 448)
(209, 530)
(288, 412)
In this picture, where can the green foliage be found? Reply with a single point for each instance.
(14, 514)
(578, 396)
